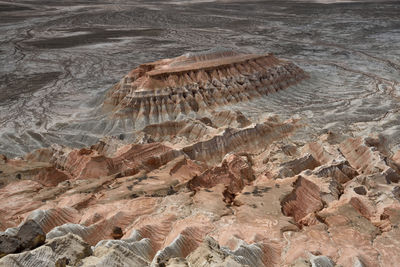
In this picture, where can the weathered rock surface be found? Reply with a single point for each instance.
(8, 244)
(28, 235)
(62, 251)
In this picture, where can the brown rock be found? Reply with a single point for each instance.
(235, 172)
(117, 232)
(360, 190)
(303, 200)
(296, 166)
(3, 159)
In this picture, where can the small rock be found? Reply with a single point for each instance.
(31, 235)
(391, 176)
(358, 263)
(3, 159)
(69, 249)
(300, 262)
(396, 192)
(321, 261)
(206, 121)
(360, 190)
(85, 151)
(8, 244)
(117, 232)
(62, 262)
(177, 262)
(289, 150)
(293, 167)
(28, 236)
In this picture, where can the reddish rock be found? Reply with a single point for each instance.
(303, 200)
(235, 172)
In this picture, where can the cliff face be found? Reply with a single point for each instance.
(194, 84)
(216, 189)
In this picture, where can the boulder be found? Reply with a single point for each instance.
(30, 235)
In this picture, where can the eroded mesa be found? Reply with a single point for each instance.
(197, 83)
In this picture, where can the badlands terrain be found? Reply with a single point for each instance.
(199, 133)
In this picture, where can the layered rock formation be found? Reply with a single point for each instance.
(215, 189)
(235, 197)
(197, 83)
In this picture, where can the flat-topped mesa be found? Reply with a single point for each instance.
(197, 83)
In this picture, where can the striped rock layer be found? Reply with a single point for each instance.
(196, 83)
(198, 195)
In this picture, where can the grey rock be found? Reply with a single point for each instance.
(70, 246)
(76, 229)
(61, 251)
(31, 235)
(210, 254)
(391, 176)
(321, 261)
(27, 236)
(8, 244)
(358, 263)
(396, 192)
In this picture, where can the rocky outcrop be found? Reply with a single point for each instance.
(209, 253)
(296, 166)
(89, 163)
(129, 252)
(27, 236)
(252, 138)
(62, 251)
(196, 83)
(303, 200)
(234, 173)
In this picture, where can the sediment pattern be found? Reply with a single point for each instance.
(196, 83)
